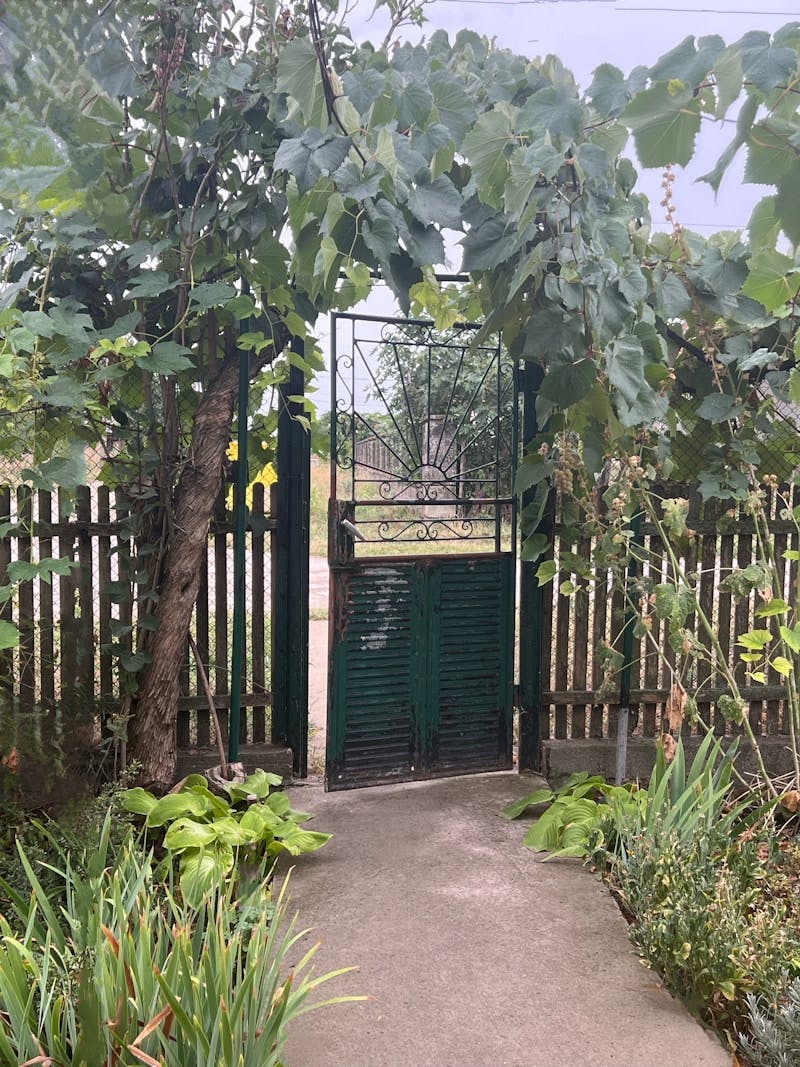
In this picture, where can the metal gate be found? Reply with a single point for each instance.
(422, 534)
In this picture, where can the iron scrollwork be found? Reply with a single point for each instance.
(425, 428)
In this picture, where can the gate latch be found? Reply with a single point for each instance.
(352, 529)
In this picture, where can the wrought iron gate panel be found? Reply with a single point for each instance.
(424, 442)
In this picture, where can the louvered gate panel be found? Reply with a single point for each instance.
(370, 729)
(475, 685)
(421, 669)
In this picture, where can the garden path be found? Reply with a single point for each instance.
(477, 954)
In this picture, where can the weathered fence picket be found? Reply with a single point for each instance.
(68, 624)
(572, 635)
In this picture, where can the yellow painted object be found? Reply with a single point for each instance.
(266, 476)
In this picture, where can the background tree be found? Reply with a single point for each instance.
(435, 386)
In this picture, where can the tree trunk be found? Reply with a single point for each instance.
(154, 718)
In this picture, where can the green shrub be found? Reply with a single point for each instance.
(138, 976)
(77, 830)
(214, 837)
(590, 817)
(703, 919)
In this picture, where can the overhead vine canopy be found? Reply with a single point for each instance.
(183, 185)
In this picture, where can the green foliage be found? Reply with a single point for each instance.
(690, 868)
(574, 823)
(139, 977)
(215, 840)
(590, 817)
(78, 830)
(704, 920)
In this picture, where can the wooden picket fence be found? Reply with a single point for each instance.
(572, 628)
(68, 625)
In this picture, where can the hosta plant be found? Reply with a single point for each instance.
(577, 818)
(132, 974)
(589, 816)
(213, 838)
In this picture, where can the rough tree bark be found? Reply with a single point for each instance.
(154, 714)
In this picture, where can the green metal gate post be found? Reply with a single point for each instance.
(531, 601)
(290, 581)
(239, 550)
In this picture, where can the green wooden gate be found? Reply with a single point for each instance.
(422, 536)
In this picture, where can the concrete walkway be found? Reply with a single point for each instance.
(476, 953)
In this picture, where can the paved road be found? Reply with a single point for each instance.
(476, 953)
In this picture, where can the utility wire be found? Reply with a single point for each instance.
(622, 7)
(693, 10)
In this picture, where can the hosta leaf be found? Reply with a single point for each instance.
(298, 841)
(186, 833)
(517, 807)
(230, 832)
(203, 870)
(279, 803)
(260, 820)
(543, 836)
(174, 805)
(138, 801)
(256, 784)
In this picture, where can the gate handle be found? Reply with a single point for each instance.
(352, 529)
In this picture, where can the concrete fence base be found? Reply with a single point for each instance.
(561, 758)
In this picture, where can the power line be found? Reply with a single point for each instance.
(622, 7)
(522, 3)
(694, 10)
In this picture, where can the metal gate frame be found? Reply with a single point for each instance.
(415, 576)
